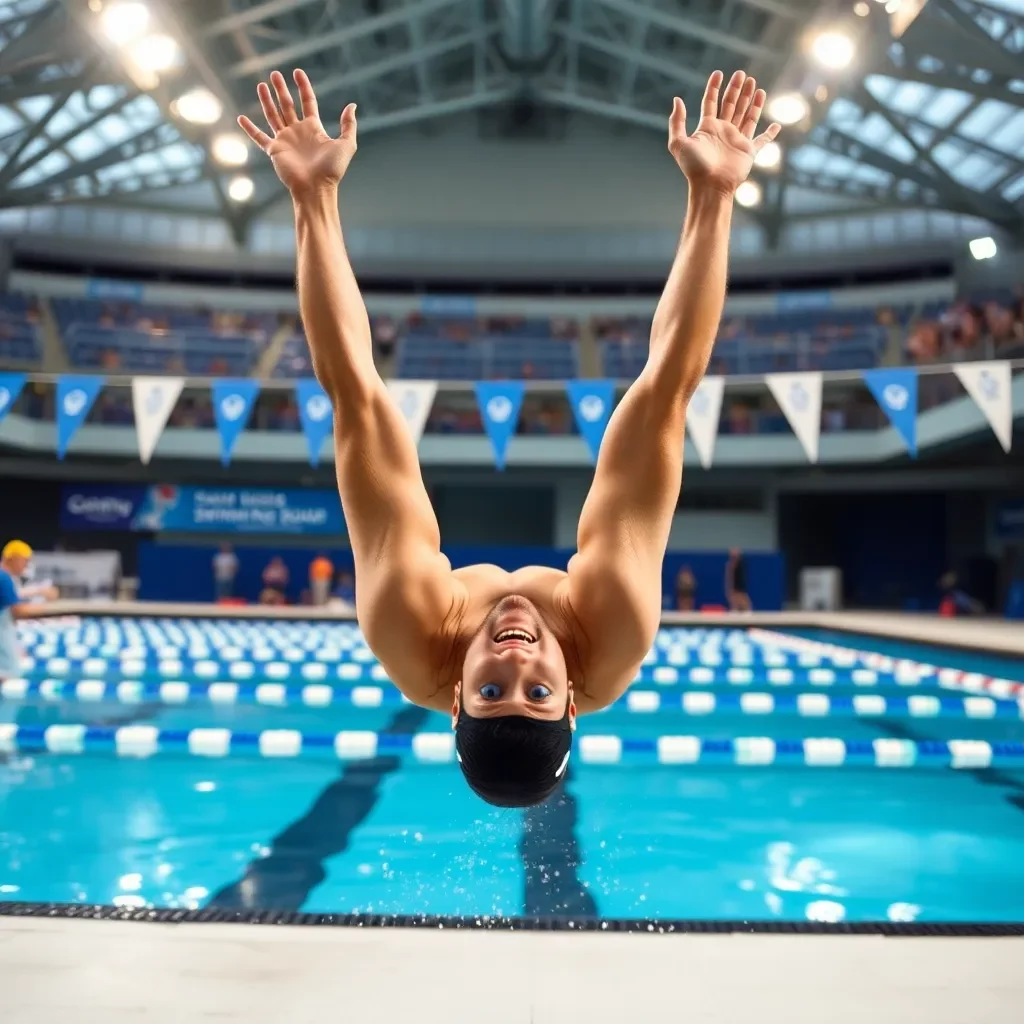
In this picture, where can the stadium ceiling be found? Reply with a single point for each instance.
(929, 114)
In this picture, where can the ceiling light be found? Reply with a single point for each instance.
(893, 6)
(230, 150)
(156, 52)
(833, 49)
(788, 108)
(862, 10)
(748, 194)
(240, 189)
(199, 106)
(983, 248)
(124, 22)
(769, 156)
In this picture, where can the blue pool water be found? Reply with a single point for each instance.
(400, 832)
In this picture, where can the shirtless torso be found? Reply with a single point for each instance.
(536, 645)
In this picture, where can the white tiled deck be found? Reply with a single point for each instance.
(93, 971)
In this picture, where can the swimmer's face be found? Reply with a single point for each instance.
(515, 666)
(16, 565)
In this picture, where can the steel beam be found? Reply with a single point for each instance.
(691, 29)
(286, 55)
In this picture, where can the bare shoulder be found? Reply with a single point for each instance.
(616, 614)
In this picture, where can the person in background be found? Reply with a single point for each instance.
(14, 562)
(686, 590)
(271, 596)
(344, 593)
(225, 569)
(275, 577)
(955, 600)
(321, 572)
(736, 582)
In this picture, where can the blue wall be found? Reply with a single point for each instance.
(172, 572)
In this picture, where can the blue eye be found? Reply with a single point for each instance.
(490, 691)
(538, 692)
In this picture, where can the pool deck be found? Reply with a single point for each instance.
(92, 971)
(986, 634)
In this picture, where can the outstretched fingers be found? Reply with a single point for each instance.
(261, 138)
(731, 97)
(749, 124)
(270, 111)
(307, 98)
(768, 135)
(284, 97)
(744, 102)
(349, 128)
(709, 105)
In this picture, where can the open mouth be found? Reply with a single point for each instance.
(514, 636)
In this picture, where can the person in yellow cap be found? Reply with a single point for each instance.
(14, 562)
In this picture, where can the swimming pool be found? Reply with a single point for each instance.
(748, 775)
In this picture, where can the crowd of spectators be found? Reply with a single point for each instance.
(986, 327)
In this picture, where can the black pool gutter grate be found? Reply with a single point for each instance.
(627, 925)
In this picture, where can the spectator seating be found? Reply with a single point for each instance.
(153, 339)
(19, 339)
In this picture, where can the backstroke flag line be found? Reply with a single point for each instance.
(702, 416)
(153, 398)
(500, 402)
(799, 397)
(11, 385)
(415, 399)
(315, 414)
(232, 406)
(990, 385)
(895, 390)
(592, 403)
(75, 397)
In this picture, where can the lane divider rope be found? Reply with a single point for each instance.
(142, 741)
(635, 701)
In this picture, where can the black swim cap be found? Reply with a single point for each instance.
(513, 761)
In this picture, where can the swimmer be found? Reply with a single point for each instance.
(514, 657)
(14, 604)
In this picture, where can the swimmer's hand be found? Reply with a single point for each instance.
(720, 153)
(306, 158)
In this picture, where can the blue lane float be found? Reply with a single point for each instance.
(635, 701)
(141, 741)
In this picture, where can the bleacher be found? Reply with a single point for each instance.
(159, 339)
(465, 350)
(835, 339)
(19, 338)
(294, 359)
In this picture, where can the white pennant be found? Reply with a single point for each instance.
(414, 399)
(799, 397)
(990, 385)
(702, 416)
(153, 398)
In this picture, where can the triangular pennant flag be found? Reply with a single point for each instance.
(702, 416)
(592, 403)
(895, 390)
(500, 402)
(153, 398)
(989, 384)
(415, 399)
(10, 387)
(232, 405)
(75, 397)
(799, 397)
(316, 415)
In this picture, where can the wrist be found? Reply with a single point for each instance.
(323, 195)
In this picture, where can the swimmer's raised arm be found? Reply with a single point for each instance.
(614, 581)
(404, 585)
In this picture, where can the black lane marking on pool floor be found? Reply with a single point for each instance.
(551, 924)
(284, 879)
(551, 855)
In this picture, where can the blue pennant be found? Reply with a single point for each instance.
(895, 390)
(75, 397)
(232, 406)
(316, 415)
(500, 402)
(592, 402)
